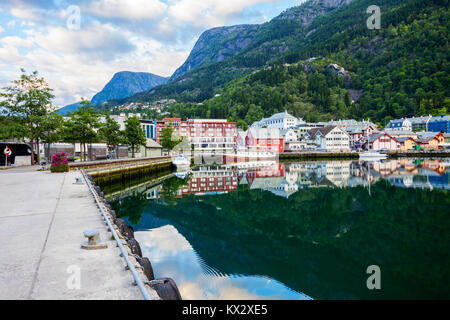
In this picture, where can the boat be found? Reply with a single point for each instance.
(372, 155)
(181, 161)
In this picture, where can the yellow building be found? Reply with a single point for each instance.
(430, 140)
(407, 143)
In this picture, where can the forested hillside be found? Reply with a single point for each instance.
(400, 70)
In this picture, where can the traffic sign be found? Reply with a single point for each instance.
(7, 152)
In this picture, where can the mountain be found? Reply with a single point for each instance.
(227, 53)
(123, 84)
(68, 109)
(399, 70)
(216, 45)
(220, 44)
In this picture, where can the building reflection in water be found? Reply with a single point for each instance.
(285, 179)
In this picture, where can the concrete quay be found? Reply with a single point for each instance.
(42, 219)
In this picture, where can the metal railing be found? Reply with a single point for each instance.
(124, 253)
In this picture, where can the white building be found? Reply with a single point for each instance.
(403, 124)
(281, 120)
(329, 138)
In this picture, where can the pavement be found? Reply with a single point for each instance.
(42, 219)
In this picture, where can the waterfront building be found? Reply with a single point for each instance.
(304, 128)
(331, 138)
(151, 149)
(400, 125)
(430, 140)
(203, 134)
(439, 124)
(419, 123)
(211, 134)
(407, 143)
(359, 132)
(382, 141)
(401, 134)
(295, 146)
(424, 123)
(281, 120)
(264, 140)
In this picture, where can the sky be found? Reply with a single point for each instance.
(77, 46)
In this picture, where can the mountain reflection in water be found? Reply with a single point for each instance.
(298, 230)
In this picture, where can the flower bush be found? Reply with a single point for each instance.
(59, 163)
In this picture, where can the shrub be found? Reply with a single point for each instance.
(59, 163)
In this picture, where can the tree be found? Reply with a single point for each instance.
(11, 128)
(82, 126)
(168, 141)
(134, 134)
(111, 133)
(28, 100)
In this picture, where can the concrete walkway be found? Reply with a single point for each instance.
(42, 219)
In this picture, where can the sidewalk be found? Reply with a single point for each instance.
(42, 219)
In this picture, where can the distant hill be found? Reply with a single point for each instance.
(124, 84)
(70, 108)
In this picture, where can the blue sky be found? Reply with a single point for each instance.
(113, 35)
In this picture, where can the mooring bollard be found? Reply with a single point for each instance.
(94, 242)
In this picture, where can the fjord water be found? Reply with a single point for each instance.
(306, 230)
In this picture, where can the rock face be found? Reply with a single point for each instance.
(307, 12)
(216, 45)
(219, 44)
(125, 84)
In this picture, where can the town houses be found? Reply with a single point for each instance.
(285, 133)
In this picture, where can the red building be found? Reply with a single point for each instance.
(264, 139)
(204, 134)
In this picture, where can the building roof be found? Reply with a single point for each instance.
(427, 135)
(153, 144)
(324, 131)
(376, 136)
(265, 133)
(440, 118)
(403, 139)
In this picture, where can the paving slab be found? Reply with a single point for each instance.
(42, 219)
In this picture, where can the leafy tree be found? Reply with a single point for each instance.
(134, 134)
(11, 128)
(27, 100)
(111, 133)
(168, 141)
(82, 126)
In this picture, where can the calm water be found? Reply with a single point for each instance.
(305, 230)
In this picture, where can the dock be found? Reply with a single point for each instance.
(42, 219)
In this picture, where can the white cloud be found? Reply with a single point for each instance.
(129, 10)
(1, 29)
(210, 13)
(116, 35)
